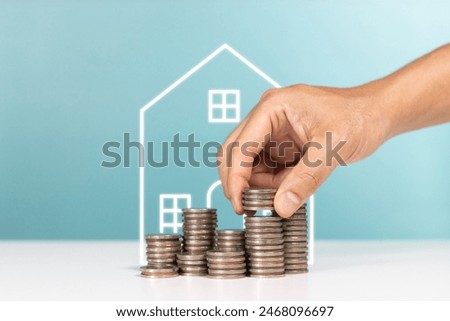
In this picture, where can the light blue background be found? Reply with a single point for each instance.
(74, 74)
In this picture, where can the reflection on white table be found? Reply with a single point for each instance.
(104, 270)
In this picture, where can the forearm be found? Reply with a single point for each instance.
(415, 96)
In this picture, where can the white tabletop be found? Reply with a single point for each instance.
(105, 270)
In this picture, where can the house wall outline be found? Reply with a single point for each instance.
(202, 63)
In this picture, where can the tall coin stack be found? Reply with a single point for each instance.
(263, 234)
(295, 230)
(230, 240)
(161, 255)
(264, 246)
(226, 264)
(199, 227)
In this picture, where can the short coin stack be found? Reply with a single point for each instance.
(161, 255)
(191, 264)
(264, 245)
(230, 240)
(199, 228)
(226, 264)
(255, 199)
(296, 242)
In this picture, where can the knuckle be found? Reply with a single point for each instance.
(311, 180)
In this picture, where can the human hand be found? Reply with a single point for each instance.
(298, 119)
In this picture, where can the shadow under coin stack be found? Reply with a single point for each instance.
(264, 241)
(295, 230)
(226, 264)
(199, 228)
(161, 255)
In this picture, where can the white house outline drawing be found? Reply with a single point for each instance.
(245, 61)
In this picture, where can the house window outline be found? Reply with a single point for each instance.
(174, 211)
(229, 102)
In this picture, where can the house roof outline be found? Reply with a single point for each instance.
(224, 47)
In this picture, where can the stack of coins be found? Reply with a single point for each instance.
(296, 242)
(199, 228)
(191, 264)
(226, 264)
(264, 245)
(161, 254)
(254, 199)
(230, 240)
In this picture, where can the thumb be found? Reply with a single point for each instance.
(302, 181)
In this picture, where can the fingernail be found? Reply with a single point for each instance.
(288, 203)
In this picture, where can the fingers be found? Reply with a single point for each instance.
(223, 155)
(249, 143)
(302, 181)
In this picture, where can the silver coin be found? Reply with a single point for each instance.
(159, 275)
(226, 260)
(266, 259)
(257, 208)
(264, 247)
(232, 276)
(264, 276)
(229, 249)
(297, 244)
(198, 232)
(160, 255)
(230, 232)
(194, 268)
(295, 228)
(215, 253)
(220, 266)
(291, 261)
(258, 203)
(300, 271)
(292, 266)
(226, 272)
(295, 223)
(198, 242)
(230, 238)
(191, 256)
(256, 225)
(252, 196)
(200, 221)
(268, 265)
(204, 237)
(182, 263)
(159, 237)
(199, 215)
(193, 273)
(264, 241)
(296, 238)
(163, 249)
(254, 190)
(158, 268)
(160, 260)
(229, 244)
(264, 230)
(296, 233)
(265, 236)
(295, 255)
(200, 226)
(262, 271)
(199, 210)
(197, 249)
(163, 244)
(266, 253)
